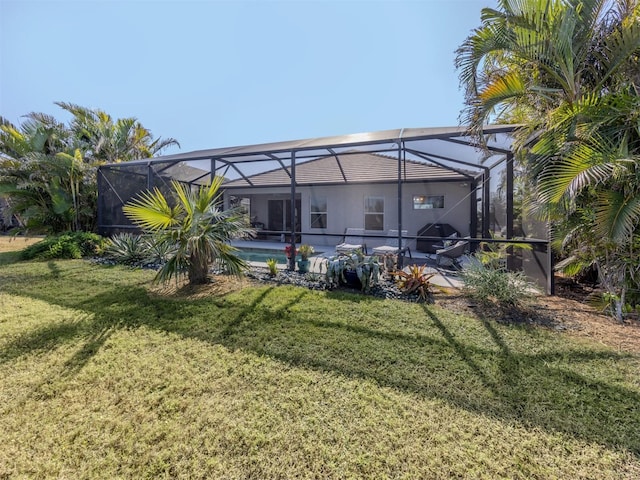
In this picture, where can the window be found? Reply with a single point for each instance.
(374, 213)
(427, 202)
(318, 210)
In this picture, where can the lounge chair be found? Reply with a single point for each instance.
(392, 248)
(430, 245)
(353, 240)
(448, 256)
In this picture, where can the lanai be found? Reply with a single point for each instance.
(488, 170)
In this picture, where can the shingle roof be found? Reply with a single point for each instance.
(351, 168)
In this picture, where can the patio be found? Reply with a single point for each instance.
(443, 277)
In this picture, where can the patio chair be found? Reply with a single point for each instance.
(449, 256)
(353, 240)
(392, 247)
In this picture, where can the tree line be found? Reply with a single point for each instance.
(48, 168)
(568, 72)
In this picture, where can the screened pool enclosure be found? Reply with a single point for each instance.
(421, 185)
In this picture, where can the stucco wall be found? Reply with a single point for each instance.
(345, 208)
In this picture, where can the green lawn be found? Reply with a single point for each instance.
(101, 379)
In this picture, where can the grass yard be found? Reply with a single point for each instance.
(11, 244)
(102, 376)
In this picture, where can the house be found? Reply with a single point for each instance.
(356, 190)
(311, 190)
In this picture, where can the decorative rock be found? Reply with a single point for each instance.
(385, 289)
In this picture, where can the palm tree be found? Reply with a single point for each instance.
(568, 71)
(37, 175)
(196, 228)
(48, 169)
(106, 141)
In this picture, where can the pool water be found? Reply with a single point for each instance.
(262, 254)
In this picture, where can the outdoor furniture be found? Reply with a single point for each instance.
(259, 227)
(441, 230)
(392, 247)
(353, 240)
(448, 256)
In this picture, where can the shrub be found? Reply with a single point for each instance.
(414, 282)
(272, 263)
(128, 248)
(486, 284)
(306, 251)
(367, 269)
(66, 245)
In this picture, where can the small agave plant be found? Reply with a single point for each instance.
(367, 269)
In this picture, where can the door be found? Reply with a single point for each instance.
(280, 215)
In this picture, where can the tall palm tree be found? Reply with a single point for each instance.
(197, 230)
(107, 141)
(567, 70)
(48, 169)
(35, 175)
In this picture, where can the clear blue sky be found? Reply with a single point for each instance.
(217, 74)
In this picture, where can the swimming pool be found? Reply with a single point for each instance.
(262, 254)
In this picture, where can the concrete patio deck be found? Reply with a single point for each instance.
(443, 277)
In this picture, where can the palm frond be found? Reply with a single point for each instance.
(152, 211)
(617, 216)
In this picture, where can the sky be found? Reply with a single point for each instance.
(224, 73)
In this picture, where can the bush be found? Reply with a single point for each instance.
(127, 248)
(415, 282)
(366, 269)
(65, 245)
(486, 284)
(137, 250)
(272, 263)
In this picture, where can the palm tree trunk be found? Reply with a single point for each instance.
(198, 270)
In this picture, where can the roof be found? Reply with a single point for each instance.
(351, 167)
(381, 138)
(452, 148)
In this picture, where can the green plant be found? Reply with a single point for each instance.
(159, 251)
(415, 281)
(494, 254)
(66, 245)
(520, 67)
(196, 228)
(134, 249)
(272, 263)
(48, 168)
(95, 343)
(485, 284)
(367, 269)
(305, 251)
(127, 248)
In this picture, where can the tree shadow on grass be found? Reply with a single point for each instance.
(7, 258)
(529, 388)
(41, 340)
